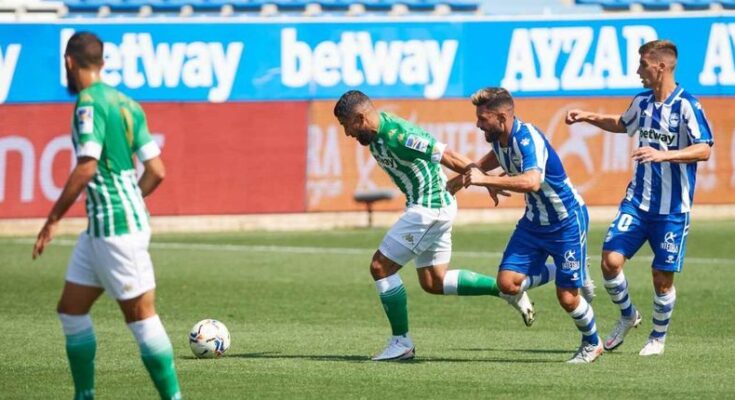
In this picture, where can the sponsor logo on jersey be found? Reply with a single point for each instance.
(417, 143)
(656, 136)
(85, 119)
(669, 243)
(674, 121)
(570, 261)
(525, 142)
(408, 238)
(670, 259)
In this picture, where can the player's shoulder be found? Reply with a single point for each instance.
(643, 95)
(394, 125)
(689, 99)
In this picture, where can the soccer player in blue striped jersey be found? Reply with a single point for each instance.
(413, 159)
(555, 222)
(673, 135)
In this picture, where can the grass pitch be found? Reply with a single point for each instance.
(304, 318)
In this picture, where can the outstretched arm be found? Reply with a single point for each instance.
(690, 154)
(608, 122)
(529, 181)
(84, 171)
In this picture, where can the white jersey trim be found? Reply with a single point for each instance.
(90, 149)
(148, 151)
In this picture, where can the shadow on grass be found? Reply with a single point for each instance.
(362, 359)
(529, 351)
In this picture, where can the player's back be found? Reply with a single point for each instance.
(111, 127)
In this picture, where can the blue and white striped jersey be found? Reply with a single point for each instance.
(527, 150)
(678, 122)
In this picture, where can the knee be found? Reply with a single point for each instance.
(507, 285)
(433, 284)
(662, 281)
(568, 299)
(612, 264)
(377, 269)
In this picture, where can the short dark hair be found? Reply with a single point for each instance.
(86, 49)
(492, 97)
(349, 103)
(665, 47)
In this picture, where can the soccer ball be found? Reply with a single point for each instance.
(209, 338)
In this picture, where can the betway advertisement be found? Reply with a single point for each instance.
(598, 163)
(230, 60)
(220, 158)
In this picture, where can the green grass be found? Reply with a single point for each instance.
(304, 323)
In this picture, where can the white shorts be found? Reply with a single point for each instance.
(119, 264)
(421, 233)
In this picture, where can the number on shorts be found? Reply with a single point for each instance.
(624, 222)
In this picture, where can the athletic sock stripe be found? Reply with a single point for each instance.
(622, 300)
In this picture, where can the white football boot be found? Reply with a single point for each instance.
(586, 353)
(398, 348)
(622, 327)
(523, 304)
(653, 347)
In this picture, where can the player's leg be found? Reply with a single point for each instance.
(155, 346)
(81, 290)
(396, 250)
(568, 248)
(668, 242)
(126, 271)
(626, 235)
(584, 319)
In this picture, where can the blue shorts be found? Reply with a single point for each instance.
(528, 250)
(665, 233)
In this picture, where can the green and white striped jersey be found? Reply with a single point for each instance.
(411, 157)
(110, 127)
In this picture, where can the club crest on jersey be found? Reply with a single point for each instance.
(570, 261)
(674, 121)
(408, 238)
(669, 243)
(670, 259)
(417, 143)
(85, 119)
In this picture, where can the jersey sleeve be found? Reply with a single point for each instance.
(143, 144)
(631, 116)
(89, 117)
(532, 149)
(418, 144)
(696, 124)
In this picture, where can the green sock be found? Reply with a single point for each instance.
(81, 349)
(158, 358)
(473, 284)
(396, 308)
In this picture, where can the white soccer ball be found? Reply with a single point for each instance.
(209, 338)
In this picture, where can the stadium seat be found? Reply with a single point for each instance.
(727, 4)
(655, 5)
(609, 5)
(695, 5)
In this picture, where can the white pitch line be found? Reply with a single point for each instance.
(327, 250)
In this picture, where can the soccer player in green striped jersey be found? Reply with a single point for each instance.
(108, 129)
(413, 159)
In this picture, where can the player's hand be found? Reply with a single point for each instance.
(648, 154)
(455, 184)
(494, 193)
(44, 237)
(473, 177)
(574, 116)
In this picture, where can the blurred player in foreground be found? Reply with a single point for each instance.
(112, 254)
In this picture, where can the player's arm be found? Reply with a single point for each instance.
(607, 122)
(691, 154)
(153, 173)
(462, 164)
(529, 181)
(80, 176)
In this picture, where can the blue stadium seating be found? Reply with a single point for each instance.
(172, 6)
(609, 5)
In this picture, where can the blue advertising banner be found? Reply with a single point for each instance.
(225, 60)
